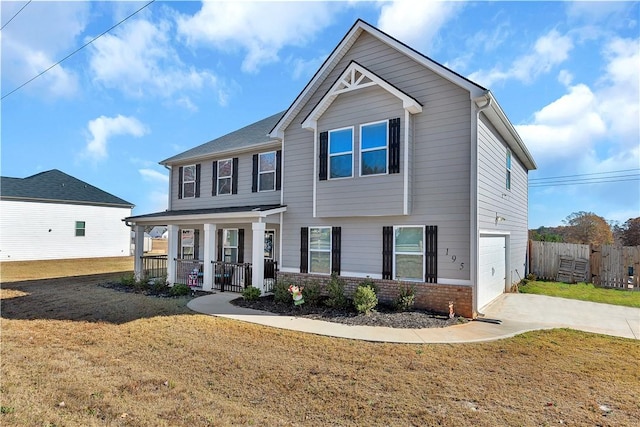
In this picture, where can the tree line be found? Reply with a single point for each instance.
(591, 229)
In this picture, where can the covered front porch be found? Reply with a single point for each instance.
(224, 249)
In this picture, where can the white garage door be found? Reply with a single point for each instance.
(492, 271)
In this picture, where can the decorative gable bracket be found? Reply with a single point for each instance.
(355, 77)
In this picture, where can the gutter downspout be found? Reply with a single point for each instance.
(475, 230)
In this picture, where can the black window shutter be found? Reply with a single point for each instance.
(387, 252)
(180, 182)
(279, 170)
(196, 244)
(198, 180)
(336, 243)
(220, 243)
(254, 178)
(234, 177)
(431, 254)
(304, 249)
(324, 155)
(241, 246)
(394, 145)
(214, 179)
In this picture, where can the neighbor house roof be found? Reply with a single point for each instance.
(249, 136)
(57, 187)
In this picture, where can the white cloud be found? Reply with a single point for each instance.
(26, 53)
(548, 51)
(260, 29)
(153, 175)
(140, 60)
(416, 23)
(103, 128)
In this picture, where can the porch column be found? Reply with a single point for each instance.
(257, 280)
(172, 252)
(138, 251)
(209, 255)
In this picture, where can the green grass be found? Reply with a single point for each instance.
(584, 292)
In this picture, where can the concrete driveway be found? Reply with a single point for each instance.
(512, 314)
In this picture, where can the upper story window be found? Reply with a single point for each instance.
(80, 228)
(341, 153)
(508, 164)
(225, 174)
(189, 181)
(267, 171)
(373, 148)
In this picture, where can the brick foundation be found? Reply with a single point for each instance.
(429, 296)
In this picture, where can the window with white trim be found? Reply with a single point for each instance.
(341, 153)
(230, 245)
(267, 171)
(320, 250)
(373, 148)
(189, 181)
(187, 243)
(225, 174)
(80, 228)
(408, 253)
(508, 175)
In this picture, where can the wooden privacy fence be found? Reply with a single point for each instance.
(603, 265)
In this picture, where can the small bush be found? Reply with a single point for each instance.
(281, 292)
(531, 277)
(335, 289)
(365, 299)
(406, 299)
(251, 293)
(128, 279)
(370, 283)
(312, 293)
(159, 286)
(179, 289)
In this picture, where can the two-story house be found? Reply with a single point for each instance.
(387, 165)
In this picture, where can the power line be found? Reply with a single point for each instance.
(75, 51)
(588, 181)
(17, 13)
(585, 174)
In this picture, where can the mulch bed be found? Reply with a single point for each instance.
(382, 316)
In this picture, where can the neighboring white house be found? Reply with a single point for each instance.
(52, 215)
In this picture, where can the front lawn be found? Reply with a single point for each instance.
(583, 291)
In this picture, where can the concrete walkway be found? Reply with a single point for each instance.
(515, 313)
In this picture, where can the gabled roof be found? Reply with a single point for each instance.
(476, 92)
(58, 187)
(255, 134)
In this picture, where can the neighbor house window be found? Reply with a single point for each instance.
(320, 250)
(508, 182)
(341, 153)
(225, 173)
(408, 252)
(267, 171)
(373, 148)
(80, 228)
(187, 243)
(230, 245)
(189, 181)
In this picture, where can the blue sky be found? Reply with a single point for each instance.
(178, 74)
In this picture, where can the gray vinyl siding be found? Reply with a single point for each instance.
(439, 166)
(379, 194)
(244, 197)
(494, 199)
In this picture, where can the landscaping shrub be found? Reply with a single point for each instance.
(179, 289)
(365, 299)
(406, 299)
(128, 279)
(251, 293)
(312, 293)
(335, 290)
(159, 286)
(281, 292)
(370, 283)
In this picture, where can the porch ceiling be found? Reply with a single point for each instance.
(212, 215)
